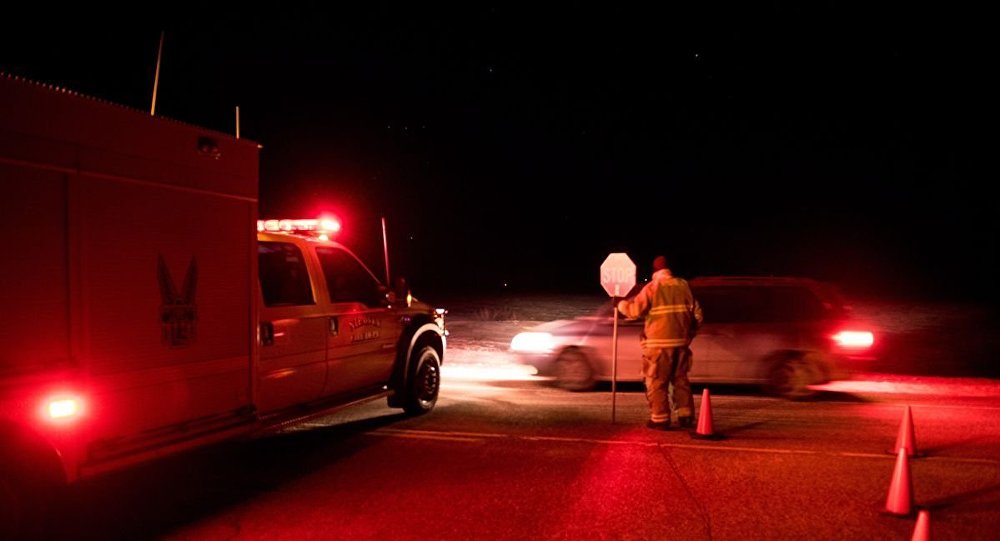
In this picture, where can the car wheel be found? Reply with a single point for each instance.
(573, 371)
(792, 377)
(422, 391)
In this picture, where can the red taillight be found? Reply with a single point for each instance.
(62, 408)
(854, 339)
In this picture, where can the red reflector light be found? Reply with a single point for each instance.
(59, 409)
(63, 408)
(854, 339)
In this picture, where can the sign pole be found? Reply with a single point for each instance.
(618, 279)
(614, 354)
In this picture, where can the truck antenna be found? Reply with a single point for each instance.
(156, 78)
(385, 249)
(237, 121)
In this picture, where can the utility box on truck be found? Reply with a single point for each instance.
(135, 323)
(127, 282)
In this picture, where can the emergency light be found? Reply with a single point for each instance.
(323, 227)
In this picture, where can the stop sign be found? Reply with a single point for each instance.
(618, 274)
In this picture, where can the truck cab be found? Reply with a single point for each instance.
(330, 331)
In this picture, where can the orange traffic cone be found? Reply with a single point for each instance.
(906, 439)
(922, 531)
(705, 431)
(900, 499)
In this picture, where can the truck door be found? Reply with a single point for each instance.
(363, 331)
(292, 330)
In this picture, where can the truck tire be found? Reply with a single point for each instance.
(424, 384)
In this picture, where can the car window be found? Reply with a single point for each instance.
(759, 304)
(347, 279)
(795, 304)
(730, 304)
(284, 280)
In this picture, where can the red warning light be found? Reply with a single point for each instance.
(322, 227)
(62, 408)
(330, 225)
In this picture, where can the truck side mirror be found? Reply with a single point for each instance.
(401, 290)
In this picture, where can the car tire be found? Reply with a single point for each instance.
(792, 377)
(573, 371)
(425, 383)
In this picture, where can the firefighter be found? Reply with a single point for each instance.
(672, 317)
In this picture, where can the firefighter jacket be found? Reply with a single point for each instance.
(672, 314)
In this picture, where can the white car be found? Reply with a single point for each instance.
(783, 333)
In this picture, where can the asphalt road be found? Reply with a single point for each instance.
(505, 456)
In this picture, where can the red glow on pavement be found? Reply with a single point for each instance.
(900, 384)
(603, 492)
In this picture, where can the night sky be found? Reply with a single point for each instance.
(515, 147)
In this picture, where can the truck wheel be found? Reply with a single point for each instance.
(422, 390)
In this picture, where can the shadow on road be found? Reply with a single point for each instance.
(836, 396)
(992, 492)
(147, 501)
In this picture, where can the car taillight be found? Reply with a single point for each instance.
(854, 339)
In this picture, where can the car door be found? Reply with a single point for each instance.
(363, 329)
(742, 332)
(292, 361)
(720, 347)
(597, 337)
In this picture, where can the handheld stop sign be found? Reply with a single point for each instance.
(617, 278)
(618, 274)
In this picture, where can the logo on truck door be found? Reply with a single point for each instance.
(178, 313)
(364, 328)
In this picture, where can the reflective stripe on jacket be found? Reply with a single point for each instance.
(672, 313)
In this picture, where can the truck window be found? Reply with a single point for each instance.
(347, 279)
(284, 280)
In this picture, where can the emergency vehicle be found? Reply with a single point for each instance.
(147, 311)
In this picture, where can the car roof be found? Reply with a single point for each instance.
(827, 292)
(755, 281)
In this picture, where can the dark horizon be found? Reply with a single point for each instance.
(520, 147)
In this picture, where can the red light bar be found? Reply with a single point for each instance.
(321, 226)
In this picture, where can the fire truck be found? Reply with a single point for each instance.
(148, 311)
